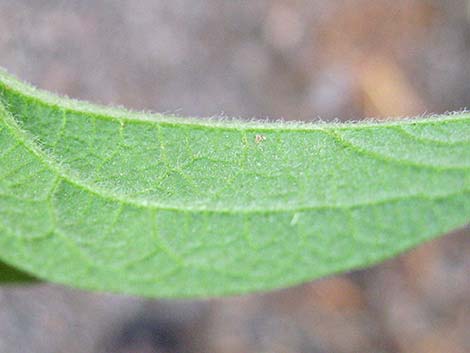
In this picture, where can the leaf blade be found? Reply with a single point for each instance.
(158, 206)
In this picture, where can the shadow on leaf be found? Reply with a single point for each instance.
(9, 274)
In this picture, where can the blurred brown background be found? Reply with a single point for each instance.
(286, 59)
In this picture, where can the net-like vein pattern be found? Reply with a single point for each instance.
(162, 207)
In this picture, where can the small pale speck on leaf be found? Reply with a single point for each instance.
(295, 219)
(260, 138)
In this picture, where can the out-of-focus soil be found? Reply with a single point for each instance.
(298, 59)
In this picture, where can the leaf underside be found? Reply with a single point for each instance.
(162, 206)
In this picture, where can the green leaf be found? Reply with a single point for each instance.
(156, 205)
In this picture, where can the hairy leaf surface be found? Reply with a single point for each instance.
(155, 205)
